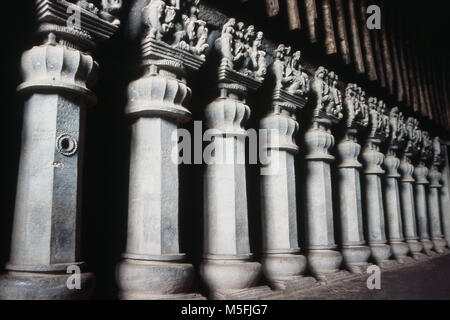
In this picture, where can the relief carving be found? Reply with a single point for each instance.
(356, 107)
(241, 50)
(328, 96)
(176, 24)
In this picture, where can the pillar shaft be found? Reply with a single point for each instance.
(323, 258)
(354, 249)
(408, 206)
(434, 209)
(420, 174)
(444, 196)
(398, 134)
(373, 193)
(153, 205)
(153, 266)
(281, 259)
(373, 200)
(227, 261)
(283, 265)
(393, 209)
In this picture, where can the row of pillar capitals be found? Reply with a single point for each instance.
(175, 43)
(58, 75)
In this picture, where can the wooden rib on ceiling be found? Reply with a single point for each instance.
(397, 56)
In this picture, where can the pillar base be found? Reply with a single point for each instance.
(44, 286)
(139, 279)
(229, 274)
(145, 296)
(427, 246)
(322, 262)
(355, 258)
(279, 266)
(255, 293)
(293, 283)
(439, 245)
(400, 251)
(415, 248)
(380, 253)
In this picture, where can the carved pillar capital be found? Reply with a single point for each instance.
(357, 120)
(328, 98)
(378, 132)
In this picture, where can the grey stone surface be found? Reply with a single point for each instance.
(373, 195)
(398, 134)
(354, 249)
(227, 258)
(322, 256)
(444, 196)
(407, 192)
(420, 174)
(434, 204)
(153, 266)
(282, 262)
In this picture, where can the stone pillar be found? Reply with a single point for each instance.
(373, 194)
(420, 174)
(227, 261)
(153, 267)
(283, 265)
(444, 195)
(434, 210)
(398, 132)
(323, 258)
(354, 249)
(58, 76)
(407, 192)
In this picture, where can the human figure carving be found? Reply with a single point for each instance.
(177, 24)
(241, 49)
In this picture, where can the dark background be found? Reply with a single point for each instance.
(105, 193)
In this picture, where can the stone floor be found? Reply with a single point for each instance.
(427, 279)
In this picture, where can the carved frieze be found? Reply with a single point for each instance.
(328, 107)
(398, 129)
(356, 108)
(292, 84)
(175, 37)
(243, 62)
(379, 121)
